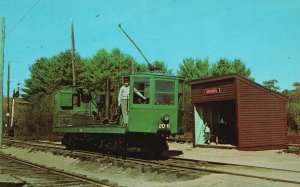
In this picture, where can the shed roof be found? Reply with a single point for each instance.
(236, 76)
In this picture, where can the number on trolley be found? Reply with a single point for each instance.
(163, 126)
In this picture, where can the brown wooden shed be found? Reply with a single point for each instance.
(254, 117)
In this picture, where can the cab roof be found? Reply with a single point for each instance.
(154, 74)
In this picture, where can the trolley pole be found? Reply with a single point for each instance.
(73, 53)
(1, 75)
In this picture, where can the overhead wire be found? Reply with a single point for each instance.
(20, 20)
(150, 11)
(140, 15)
(23, 17)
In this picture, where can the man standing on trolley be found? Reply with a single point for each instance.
(123, 99)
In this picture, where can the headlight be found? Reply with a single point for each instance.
(165, 119)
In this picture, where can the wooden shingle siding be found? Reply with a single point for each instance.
(260, 113)
(294, 139)
(261, 117)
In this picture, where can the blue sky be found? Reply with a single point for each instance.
(264, 34)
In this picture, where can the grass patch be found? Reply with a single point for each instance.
(293, 149)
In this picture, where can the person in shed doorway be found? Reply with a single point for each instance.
(220, 131)
(207, 133)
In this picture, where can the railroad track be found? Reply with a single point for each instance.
(179, 166)
(31, 143)
(36, 175)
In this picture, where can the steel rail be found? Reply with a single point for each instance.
(81, 178)
(189, 165)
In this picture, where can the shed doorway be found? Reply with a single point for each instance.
(221, 118)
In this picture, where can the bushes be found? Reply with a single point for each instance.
(293, 111)
(36, 117)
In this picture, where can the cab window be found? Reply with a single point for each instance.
(164, 92)
(180, 94)
(76, 100)
(141, 91)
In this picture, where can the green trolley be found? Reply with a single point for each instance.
(91, 119)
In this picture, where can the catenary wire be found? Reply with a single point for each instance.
(23, 17)
(150, 11)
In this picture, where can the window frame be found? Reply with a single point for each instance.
(132, 83)
(175, 102)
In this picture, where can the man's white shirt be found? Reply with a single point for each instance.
(123, 93)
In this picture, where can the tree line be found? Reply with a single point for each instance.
(48, 75)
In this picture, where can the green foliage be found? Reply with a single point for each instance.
(293, 149)
(271, 84)
(293, 114)
(38, 117)
(293, 95)
(156, 66)
(196, 69)
(105, 65)
(188, 109)
(111, 65)
(293, 108)
(240, 68)
(297, 85)
(161, 67)
(224, 67)
(193, 69)
(49, 74)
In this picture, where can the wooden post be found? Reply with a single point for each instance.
(107, 98)
(1, 75)
(11, 126)
(8, 89)
(73, 53)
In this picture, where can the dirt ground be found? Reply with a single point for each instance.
(135, 178)
(270, 158)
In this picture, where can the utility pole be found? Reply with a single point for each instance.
(73, 53)
(1, 75)
(8, 89)
(15, 96)
(107, 98)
